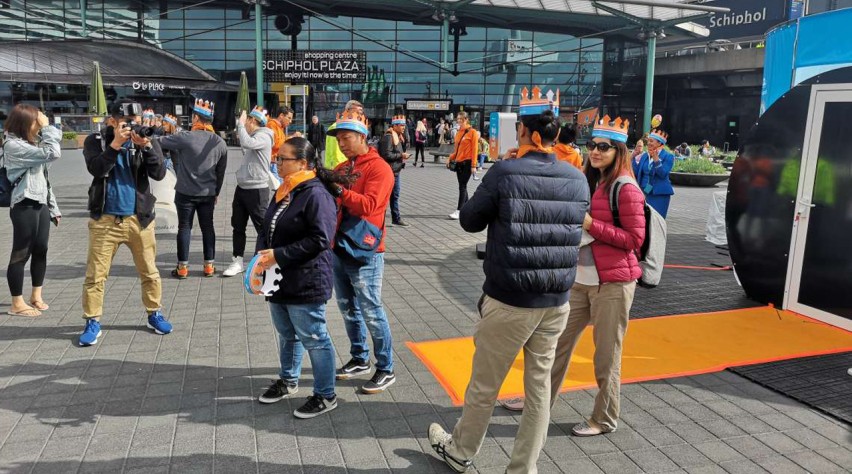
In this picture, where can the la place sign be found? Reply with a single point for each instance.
(315, 66)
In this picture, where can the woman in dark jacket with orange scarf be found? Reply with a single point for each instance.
(297, 234)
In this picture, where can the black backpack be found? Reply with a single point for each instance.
(6, 186)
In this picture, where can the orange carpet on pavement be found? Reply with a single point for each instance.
(661, 347)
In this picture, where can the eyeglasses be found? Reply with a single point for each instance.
(281, 159)
(603, 147)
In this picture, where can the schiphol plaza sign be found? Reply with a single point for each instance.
(315, 66)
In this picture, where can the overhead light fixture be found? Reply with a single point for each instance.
(453, 18)
(438, 16)
(661, 34)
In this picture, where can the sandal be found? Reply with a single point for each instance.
(27, 313)
(40, 305)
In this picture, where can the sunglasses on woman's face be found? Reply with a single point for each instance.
(603, 147)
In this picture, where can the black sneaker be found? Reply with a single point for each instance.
(353, 368)
(315, 406)
(401, 223)
(277, 392)
(381, 380)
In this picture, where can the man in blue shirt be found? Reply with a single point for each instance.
(121, 208)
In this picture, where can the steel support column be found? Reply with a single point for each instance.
(258, 57)
(445, 41)
(649, 81)
(84, 33)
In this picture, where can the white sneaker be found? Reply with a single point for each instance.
(440, 441)
(454, 215)
(235, 268)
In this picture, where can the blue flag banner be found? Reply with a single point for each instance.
(802, 49)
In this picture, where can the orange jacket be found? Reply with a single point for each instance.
(279, 137)
(467, 146)
(369, 195)
(568, 154)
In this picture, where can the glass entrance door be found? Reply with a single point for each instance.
(819, 278)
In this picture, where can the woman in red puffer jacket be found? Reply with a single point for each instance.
(606, 274)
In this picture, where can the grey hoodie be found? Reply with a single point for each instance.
(200, 159)
(257, 153)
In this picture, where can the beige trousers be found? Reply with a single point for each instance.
(105, 236)
(607, 308)
(501, 333)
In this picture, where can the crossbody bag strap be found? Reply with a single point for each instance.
(456, 149)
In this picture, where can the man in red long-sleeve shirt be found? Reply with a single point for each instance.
(358, 286)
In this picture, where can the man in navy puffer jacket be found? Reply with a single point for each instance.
(533, 206)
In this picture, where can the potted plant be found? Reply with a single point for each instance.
(697, 172)
(69, 141)
(728, 160)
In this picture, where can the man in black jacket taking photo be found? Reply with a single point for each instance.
(392, 149)
(121, 160)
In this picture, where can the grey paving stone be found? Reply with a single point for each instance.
(780, 465)
(780, 421)
(330, 455)
(661, 436)
(706, 470)
(651, 460)
(723, 428)
(626, 439)
(750, 447)
(615, 462)
(718, 451)
(813, 462)
(779, 442)
(684, 455)
(580, 466)
(841, 456)
(742, 467)
(595, 445)
(751, 425)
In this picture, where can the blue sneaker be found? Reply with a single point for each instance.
(90, 335)
(158, 324)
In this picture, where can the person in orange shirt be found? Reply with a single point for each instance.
(279, 125)
(565, 150)
(464, 157)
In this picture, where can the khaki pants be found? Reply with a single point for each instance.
(105, 236)
(501, 333)
(607, 308)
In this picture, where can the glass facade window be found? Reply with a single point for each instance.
(404, 58)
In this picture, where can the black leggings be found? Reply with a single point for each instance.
(31, 231)
(419, 151)
(463, 173)
(248, 204)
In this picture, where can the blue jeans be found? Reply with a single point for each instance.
(394, 200)
(359, 296)
(300, 327)
(187, 206)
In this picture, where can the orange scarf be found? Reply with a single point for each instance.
(291, 181)
(536, 146)
(203, 126)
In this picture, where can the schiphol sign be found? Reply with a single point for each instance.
(746, 18)
(315, 66)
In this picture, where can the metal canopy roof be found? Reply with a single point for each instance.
(646, 10)
(574, 17)
(122, 63)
